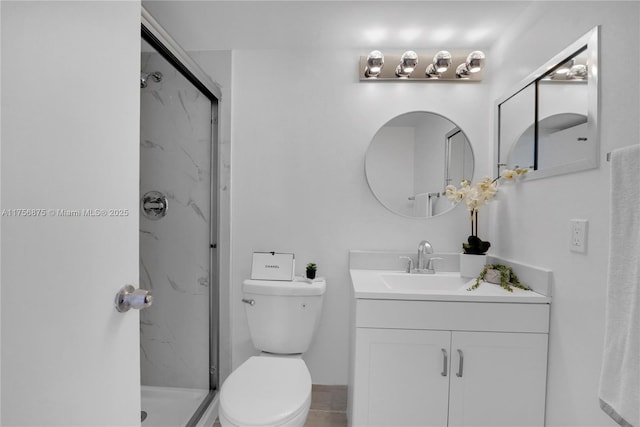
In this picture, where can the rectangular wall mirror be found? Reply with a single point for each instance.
(549, 121)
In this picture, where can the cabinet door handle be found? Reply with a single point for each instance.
(460, 364)
(445, 363)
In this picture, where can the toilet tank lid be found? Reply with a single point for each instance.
(299, 287)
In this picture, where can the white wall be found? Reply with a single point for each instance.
(299, 142)
(532, 219)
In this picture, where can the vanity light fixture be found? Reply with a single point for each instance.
(439, 66)
(408, 62)
(375, 62)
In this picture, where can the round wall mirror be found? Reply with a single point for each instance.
(412, 158)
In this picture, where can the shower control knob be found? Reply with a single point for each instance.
(129, 297)
(154, 205)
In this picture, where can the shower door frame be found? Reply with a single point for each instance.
(159, 39)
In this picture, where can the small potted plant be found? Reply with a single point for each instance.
(500, 275)
(311, 271)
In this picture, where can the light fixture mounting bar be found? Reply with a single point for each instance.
(425, 58)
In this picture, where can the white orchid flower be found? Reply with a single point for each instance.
(509, 174)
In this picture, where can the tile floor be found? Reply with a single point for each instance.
(328, 406)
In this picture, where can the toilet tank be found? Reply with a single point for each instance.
(283, 315)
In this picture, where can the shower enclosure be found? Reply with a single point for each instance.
(178, 234)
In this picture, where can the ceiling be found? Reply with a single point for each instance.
(215, 25)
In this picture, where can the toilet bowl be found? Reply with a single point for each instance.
(274, 389)
(266, 391)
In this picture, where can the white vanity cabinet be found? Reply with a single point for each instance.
(441, 363)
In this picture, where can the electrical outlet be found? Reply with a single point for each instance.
(578, 241)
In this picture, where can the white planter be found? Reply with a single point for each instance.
(472, 265)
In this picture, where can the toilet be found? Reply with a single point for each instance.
(274, 388)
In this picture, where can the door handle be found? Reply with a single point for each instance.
(129, 297)
(445, 363)
(460, 364)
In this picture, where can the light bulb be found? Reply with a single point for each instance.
(578, 72)
(375, 62)
(475, 61)
(564, 68)
(442, 61)
(462, 72)
(408, 63)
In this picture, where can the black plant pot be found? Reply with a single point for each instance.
(475, 246)
(311, 274)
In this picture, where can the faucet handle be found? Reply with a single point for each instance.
(409, 264)
(430, 262)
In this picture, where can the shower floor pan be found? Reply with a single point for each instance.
(171, 407)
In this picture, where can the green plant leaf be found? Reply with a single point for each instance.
(508, 279)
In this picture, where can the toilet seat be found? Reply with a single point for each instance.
(266, 391)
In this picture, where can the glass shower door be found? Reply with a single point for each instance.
(175, 241)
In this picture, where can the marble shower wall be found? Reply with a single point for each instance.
(175, 159)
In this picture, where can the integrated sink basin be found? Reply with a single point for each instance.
(441, 286)
(424, 282)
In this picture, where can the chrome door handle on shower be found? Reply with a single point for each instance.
(249, 301)
(154, 205)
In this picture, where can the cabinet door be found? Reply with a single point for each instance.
(501, 380)
(399, 377)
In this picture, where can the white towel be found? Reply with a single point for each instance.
(620, 375)
(422, 206)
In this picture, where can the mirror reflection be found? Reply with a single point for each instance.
(517, 129)
(563, 136)
(412, 158)
(550, 123)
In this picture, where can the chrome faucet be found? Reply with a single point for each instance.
(423, 248)
(425, 265)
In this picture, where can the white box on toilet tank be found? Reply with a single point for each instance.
(272, 266)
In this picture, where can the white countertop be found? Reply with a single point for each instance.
(369, 284)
